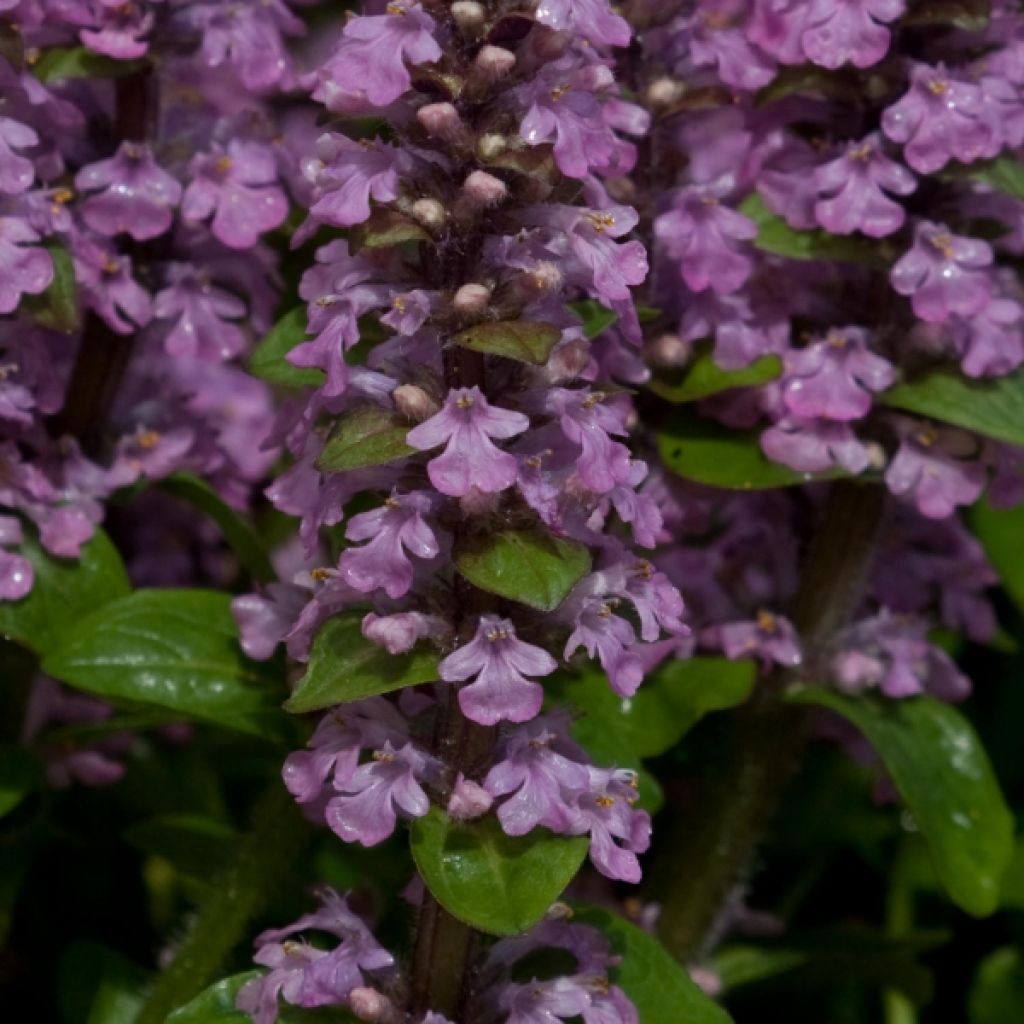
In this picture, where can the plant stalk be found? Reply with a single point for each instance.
(715, 842)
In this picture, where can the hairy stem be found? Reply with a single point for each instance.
(713, 845)
(265, 853)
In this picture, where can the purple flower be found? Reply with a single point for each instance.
(24, 269)
(852, 191)
(717, 39)
(391, 530)
(814, 446)
(136, 196)
(238, 189)
(833, 378)
(707, 240)
(465, 425)
(469, 800)
(366, 809)
(944, 273)
(116, 29)
(367, 68)
(587, 420)
(940, 119)
(201, 314)
(602, 633)
(936, 468)
(991, 343)
(771, 638)
(16, 172)
(592, 19)
(841, 31)
(109, 288)
(501, 666)
(618, 832)
(401, 632)
(16, 572)
(349, 172)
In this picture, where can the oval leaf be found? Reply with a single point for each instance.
(174, 649)
(345, 666)
(216, 1005)
(657, 985)
(993, 408)
(57, 64)
(386, 228)
(1000, 531)
(943, 774)
(522, 340)
(997, 994)
(369, 436)
(708, 453)
(704, 377)
(528, 566)
(268, 358)
(497, 883)
(65, 589)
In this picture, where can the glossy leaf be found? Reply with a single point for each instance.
(172, 649)
(708, 453)
(216, 1004)
(774, 235)
(242, 538)
(528, 566)
(367, 436)
(268, 362)
(1000, 531)
(659, 987)
(57, 307)
(345, 666)
(993, 408)
(65, 589)
(704, 377)
(19, 775)
(498, 884)
(997, 993)
(943, 774)
(386, 228)
(596, 318)
(525, 341)
(57, 64)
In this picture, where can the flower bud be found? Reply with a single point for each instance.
(495, 62)
(367, 1004)
(441, 120)
(545, 277)
(469, 16)
(430, 213)
(476, 503)
(396, 633)
(468, 800)
(490, 145)
(663, 92)
(471, 299)
(569, 360)
(668, 350)
(413, 402)
(484, 189)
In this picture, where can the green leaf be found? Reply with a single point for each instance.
(57, 307)
(367, 436)
(943, 774)
(19, 775)
(216, 1005)
(774, 235)
(58, 63)
(523, 340)
(704, 377)
(64, 591)
(1012, 891)
(173, 649)
(596, 318)
(345, 666)
(1004, 173)
(993, 408)
(238, 531)
(528, 566)
(97, 985)
(708, 453)
(268, 362)
(499, 884)
(1000, 531)
(657, 985)
(386, 228)
(997, 993)
(194, 844)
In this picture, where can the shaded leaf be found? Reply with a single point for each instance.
(345, 666)
(386, 228)
(596, 318)
(704, 377)
(528, 566)
(993, 408)
(216, 1004)
(774, 235)
(268, 362)
(1000, 531)
(972, 15)
(523, 340)
(497, 883)
(367, 436)
(194, 844)
(1004, 173)
(57, 307)
(997, 993)
(173, 649)
(19, 775)
(58, 63)
(943, 774)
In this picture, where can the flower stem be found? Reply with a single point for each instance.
(713, 845)
(265, 854)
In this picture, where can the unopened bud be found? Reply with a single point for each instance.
(491, 145)
(471, 299)
(484, 189)
(441, 120)
(876, 455)
(367, 1004)
(664, 92)
(545, 277)
(669, 350)
(468, 800)
(412, 402)
(430, 213)
(568, 361)
(477, 503)
(495, 61)
(469, 16)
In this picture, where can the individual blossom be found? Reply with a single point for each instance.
(715, 37)
(815, 445)
(348, 173)
(618, 831)
(134, 195)
(768, 637)
(502, 668)
(466, 425)
(17, 172)
(25, 269)
(594, 20)
(201, 316)
(943, 273)
(588, 419)
(16, 573)
(837, 32)
(853, 191)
